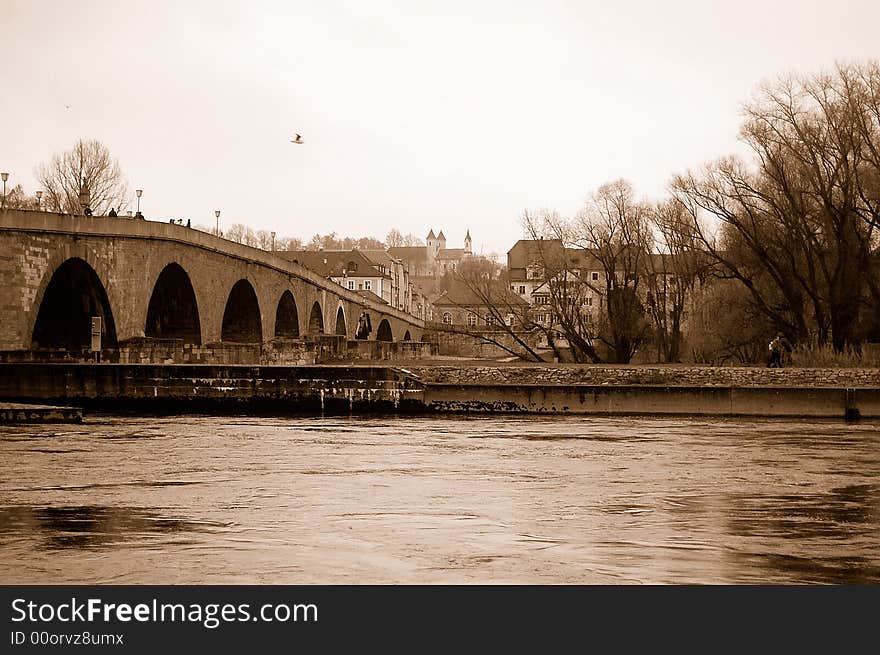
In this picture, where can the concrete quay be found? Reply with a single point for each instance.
(818, 402)
(213, 388)
(343, 389)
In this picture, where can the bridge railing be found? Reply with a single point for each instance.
(17, 220)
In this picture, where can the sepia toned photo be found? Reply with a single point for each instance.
(439, 293)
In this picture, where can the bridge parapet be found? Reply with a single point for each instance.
(17, 220)
(154, 280)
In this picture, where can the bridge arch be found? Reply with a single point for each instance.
(241, 317)
(173, 312)
(287, 317)
(383, 332)
(340, 323)
(406, 336)
(316, 320)
(72, 296)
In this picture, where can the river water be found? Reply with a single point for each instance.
(537, 500)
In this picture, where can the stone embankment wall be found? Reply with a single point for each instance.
(466, 345)
(686, 376)
(261, 389)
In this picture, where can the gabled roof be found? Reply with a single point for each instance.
(409, 253)
(535, 245)
(461, 295)
(369, 295)
(431, 234)
(440, 236)
(380, 257)
(451, 253)
(333, 263)
(568, 278)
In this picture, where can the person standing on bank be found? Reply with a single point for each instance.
(777, 346)
(112, 212)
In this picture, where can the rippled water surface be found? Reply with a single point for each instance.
(199, 499)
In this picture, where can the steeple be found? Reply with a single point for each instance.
(467, 242)
(431, 236)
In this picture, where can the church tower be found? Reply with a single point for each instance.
(431, 248)
(467, 243)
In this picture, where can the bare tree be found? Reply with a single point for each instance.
(799, 226)
(264, 239)
(16, 198)
(614, 228)
(87, 166)
(507, 323)
(725, 327)
(241, 233)
(565, 298)
(394, 238)
(288, 243)
(672, 276)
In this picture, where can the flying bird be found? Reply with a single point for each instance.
(298, 139)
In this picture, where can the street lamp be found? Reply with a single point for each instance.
(5, 177)
(138, 193)
(39, 200)
(273, 242)
(217, 216)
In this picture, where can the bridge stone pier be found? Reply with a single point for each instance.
(167, 292)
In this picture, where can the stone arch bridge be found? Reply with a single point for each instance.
(160, 283)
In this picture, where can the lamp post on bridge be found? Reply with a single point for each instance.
(39, 201)
(138, 193)
(217, 216)
(5, 177)
(273, 242)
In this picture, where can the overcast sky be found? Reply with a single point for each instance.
(417, 115)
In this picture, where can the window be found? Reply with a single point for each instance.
(595, 276)
(351, 267)
(511, 319)
(351, 284)
(542, 318)
(368, 285)
(472, 320)
(489, 320)
(522, 289)
(447, 318)
(588, 302)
